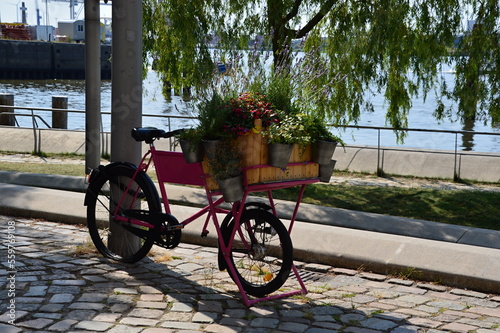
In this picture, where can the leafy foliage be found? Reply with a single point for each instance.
(357, 49)
(226, 162)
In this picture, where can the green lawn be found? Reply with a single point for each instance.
(461, 207)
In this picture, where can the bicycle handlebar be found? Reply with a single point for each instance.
(174, 133)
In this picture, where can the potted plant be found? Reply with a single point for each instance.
(324, 142)
(190, 141)
(211, 118)
(225, 168)
(290, 130)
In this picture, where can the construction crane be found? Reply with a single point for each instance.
(38, 16)
(72, 4)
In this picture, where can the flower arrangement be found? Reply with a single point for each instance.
(244, 110)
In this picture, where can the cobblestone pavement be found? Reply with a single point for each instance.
(57, 284)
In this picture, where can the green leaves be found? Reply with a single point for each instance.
(390, 47)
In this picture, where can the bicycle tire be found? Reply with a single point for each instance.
(265, 266)
(101, 225)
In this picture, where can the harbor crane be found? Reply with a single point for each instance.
(72, 7)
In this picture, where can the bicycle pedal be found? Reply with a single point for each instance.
(174, 227)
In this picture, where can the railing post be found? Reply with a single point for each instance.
(59, 118)
(7, 99)
(380, 171)
(456, 175)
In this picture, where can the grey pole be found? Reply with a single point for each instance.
(126, 76)
(92, 85)
(126, 100)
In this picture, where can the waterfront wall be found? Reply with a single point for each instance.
(404, 162)
(32, 60)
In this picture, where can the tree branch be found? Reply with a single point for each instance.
(327, 6)
(293, 11)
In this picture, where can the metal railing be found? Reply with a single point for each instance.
(456, 152)
(380, 149)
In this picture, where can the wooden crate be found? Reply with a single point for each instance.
(254, 149)
(310, 170)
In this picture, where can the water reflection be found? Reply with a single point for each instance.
(468, 138)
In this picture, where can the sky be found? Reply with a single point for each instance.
(58, 10)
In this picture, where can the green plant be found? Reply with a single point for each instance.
(226, 162)
(290, 129)
(211, 117)
(318, 130)
(193, 135)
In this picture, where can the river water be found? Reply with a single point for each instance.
(39, 94)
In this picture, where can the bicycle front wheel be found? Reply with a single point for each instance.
(261, 253)
(119, 240)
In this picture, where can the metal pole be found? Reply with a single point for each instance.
(456, 176)
(92, 85)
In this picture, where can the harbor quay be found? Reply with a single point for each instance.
(476, 166)
(58, 283)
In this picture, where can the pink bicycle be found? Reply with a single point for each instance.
(254, 245)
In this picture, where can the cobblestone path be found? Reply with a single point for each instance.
(57, 284)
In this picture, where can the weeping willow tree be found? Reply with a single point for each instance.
(354, 50)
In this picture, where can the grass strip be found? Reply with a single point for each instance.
(44, 168)
(476, 209)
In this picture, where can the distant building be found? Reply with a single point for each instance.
(46, 33)
(73, 30)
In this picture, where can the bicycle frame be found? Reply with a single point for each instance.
(170, 167)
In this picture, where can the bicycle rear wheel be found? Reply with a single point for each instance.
(261, 253)
(119, 240)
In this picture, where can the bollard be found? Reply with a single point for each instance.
(7, 99)
(59, 118)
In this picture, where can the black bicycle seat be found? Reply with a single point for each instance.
(147, 134)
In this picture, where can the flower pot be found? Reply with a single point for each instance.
(279, 154)
(323, 151)
(232, 188)
(192, 153)
(210, 147)
(326, 170)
